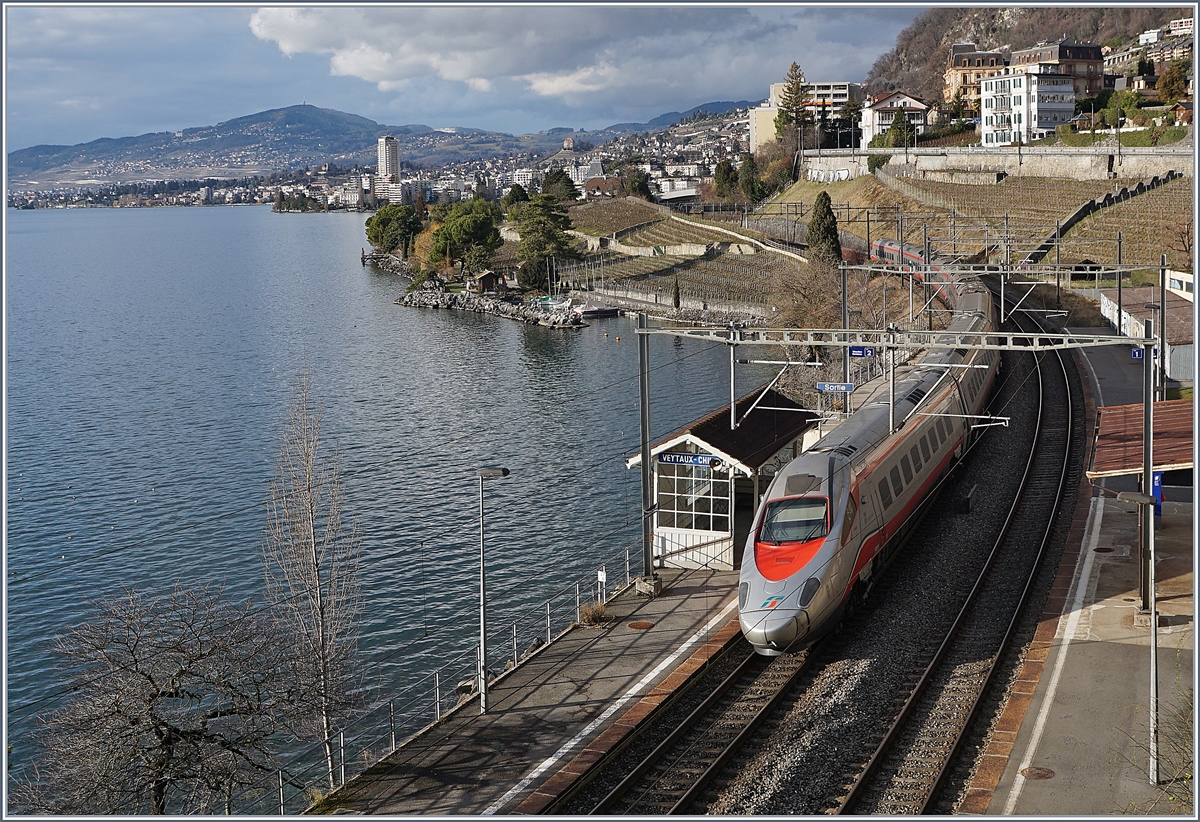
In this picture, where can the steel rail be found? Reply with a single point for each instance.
(960, 738)
(861, 782)
(766, 710)
(660, 750)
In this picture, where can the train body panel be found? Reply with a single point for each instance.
(833, 516)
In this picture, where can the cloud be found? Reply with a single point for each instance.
(586, 57)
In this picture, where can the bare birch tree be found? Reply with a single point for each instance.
(172, 709)
(311, 564)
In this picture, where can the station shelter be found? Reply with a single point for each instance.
(708, 478)
(1118, 450)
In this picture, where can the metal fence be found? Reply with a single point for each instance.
(390, 723)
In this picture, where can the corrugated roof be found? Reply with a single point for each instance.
(1119, 442)
(758, 438)
(1180, 328)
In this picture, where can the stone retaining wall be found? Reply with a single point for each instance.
(1093, 163)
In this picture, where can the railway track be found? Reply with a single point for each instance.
(680, 767)
(823, 710)
(911, 763)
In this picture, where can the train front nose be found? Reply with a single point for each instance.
(771, 633)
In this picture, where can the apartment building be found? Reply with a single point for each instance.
(388, 167)
(967, 67)
(1026, 103)
(821, 99)
(1083, 62)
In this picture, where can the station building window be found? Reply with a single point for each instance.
(693, 497)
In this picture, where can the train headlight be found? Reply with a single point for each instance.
(809, 591)
(743, 593)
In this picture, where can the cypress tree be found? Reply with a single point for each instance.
(823, 242)
(748, 180)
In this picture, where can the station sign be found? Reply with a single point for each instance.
(862, 351)
(674, 458)
(836, 387)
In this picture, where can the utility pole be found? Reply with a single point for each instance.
(1120, 283)
(1162, 328)
(649, 584)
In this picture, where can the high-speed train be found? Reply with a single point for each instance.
(833, 516)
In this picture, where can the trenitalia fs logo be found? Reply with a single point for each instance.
(772, 602)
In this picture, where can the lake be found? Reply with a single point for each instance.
(151, 356)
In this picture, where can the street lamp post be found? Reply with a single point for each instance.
(487, 472)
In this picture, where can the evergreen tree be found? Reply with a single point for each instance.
(516, 194)
(543, 229)
(823, 243)
(559, 185)
(748, 180)
(725, 178)
(792, 100)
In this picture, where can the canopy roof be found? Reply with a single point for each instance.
(1119, 441)
(757, 439)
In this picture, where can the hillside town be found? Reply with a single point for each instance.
(995, 97)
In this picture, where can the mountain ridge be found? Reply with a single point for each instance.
(291, 137)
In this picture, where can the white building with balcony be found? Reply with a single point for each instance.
(880, 111)
(1026, 103)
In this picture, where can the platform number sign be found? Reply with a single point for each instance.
(1137, 353)
(862, 351)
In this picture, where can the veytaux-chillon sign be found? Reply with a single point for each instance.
(672, 458)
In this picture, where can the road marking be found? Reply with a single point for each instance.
(612, 709)
(1080, 583)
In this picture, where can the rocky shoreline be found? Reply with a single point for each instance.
(461, 301)
(429, 298)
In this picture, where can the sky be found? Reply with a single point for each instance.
(75, 74)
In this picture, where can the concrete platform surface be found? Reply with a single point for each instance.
(1083, 746)
(542, 714)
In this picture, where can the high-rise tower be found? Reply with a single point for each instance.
(389, 159)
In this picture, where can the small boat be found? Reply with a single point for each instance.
(591, 311)
(552, 304)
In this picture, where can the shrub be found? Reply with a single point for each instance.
(593, 613)
(877, 161)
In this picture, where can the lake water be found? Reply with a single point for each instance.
(152, 353)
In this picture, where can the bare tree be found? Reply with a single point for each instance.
(311, 564)
(173, 702)
(1180, 235)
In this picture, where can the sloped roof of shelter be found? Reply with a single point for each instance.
(1180, 328)
(1119, 441)
(758, 437)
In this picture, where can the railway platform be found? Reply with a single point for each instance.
(1073, 738)
(571, 702)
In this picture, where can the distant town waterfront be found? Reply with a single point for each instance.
(150, 356)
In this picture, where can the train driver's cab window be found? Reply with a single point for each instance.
(795, 519)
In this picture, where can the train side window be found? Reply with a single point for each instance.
(925, 448)
(916, 458)
(941, 431)
(885, 496)
(897, 486)
(906, 467)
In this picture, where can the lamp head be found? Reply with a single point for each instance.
(490, 471)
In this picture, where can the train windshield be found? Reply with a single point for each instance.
(798, 519)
